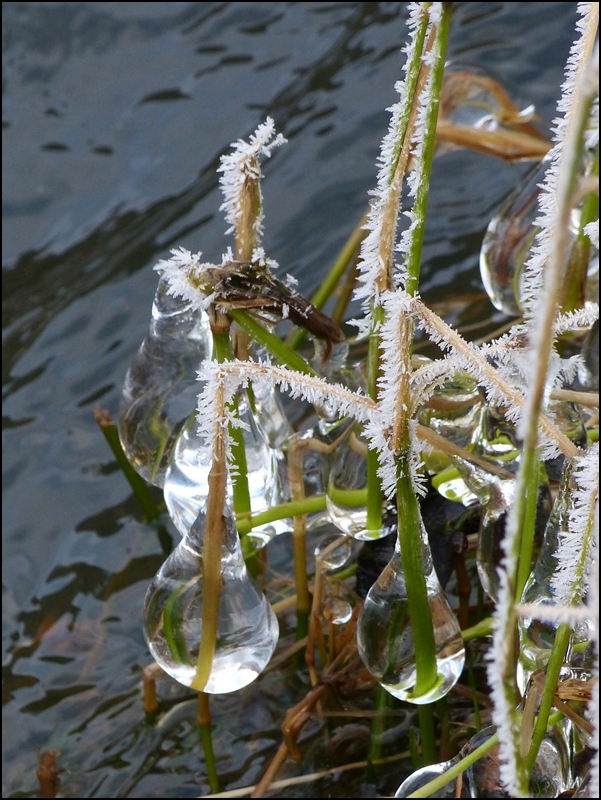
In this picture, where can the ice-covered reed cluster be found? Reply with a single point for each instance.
(518, 375)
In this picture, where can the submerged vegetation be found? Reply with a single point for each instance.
(391, 455)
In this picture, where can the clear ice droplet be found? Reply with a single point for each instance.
(160, 387)
(186, 481)
(335, 550)
(385, 632)
(550, 775)
(247, 628)
(347, 490)
(336, 610)
(507, 242)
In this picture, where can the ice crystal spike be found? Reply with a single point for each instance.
(507, 242)
(247, 628)
(186, 481)
(550, 775)
(537, 637)
(385, 635)
(160, 387)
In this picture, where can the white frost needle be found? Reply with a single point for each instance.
(376, 249)
(575, 548)
(473, 360)
(186, 277)
(592, 231)
(234, 374)
(542, 249)
(242, 166)
(572, 615)
(580, 320)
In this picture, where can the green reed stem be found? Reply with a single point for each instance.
(278, 349)
(482, 628)
(425, 715)
(451, 774)
(384, 701)
(374, 484)
(206, 738)
(411, 545)
(172, 623)
(429, 146)
(410, 525)
(354, 498)
(138, 484)
(528, 529)
(556, 661)
(309, 505)
(441, 781)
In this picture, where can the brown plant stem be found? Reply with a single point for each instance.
(211, 555)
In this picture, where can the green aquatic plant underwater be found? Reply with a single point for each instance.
(500, 427)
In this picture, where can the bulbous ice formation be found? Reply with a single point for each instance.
(186, 481)
(160, 387)
(385, 638)
(246, 630)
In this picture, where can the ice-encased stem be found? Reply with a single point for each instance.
(410, 538)
(411, 547)
(211, 555)
(542, 314)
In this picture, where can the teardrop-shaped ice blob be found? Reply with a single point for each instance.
(507, 242)
(454, 411)
(186, 482)
(489, 554)
(385, 633)
(247, 628)
(426, 774)
(160, 388)
(496, 443)
(550, 776)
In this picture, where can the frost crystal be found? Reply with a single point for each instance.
(370, 264)
(243, 165)
(182, 273)
(575, 550)
(533, 276)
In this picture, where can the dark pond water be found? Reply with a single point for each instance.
(114, 118)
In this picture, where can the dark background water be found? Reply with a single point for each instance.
(114, 118)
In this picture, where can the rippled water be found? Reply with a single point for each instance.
(114, 118)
